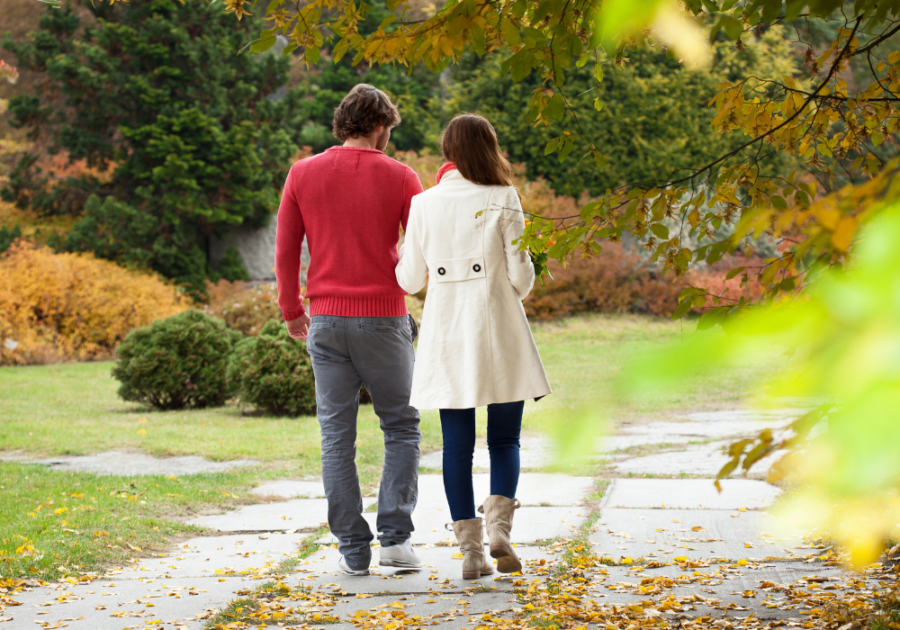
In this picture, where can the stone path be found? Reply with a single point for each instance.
(131, 464)
(710, 553)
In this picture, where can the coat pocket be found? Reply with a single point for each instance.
(457, 270)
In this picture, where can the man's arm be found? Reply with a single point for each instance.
(288, 247)
(411, 187)
(412, 269)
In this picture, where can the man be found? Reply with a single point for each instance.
(349, 202)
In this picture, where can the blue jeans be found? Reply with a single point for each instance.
(458, 426)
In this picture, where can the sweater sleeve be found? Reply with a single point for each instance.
(411, 187)
(288, 246)
(519, 268)
(411, 269)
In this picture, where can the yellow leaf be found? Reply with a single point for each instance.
(828, 217)
(446, 45)
(843, 234)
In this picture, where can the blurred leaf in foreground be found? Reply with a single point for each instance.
(668, 20)
(842, 342)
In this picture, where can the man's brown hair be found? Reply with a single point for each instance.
(363, 109)
(470, 142)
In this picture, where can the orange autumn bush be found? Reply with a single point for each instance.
(619, 281)
(242, 306)
(615, 281)
(59, 307)
(730, 290)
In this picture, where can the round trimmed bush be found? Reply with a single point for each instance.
(177, 362)
(273, 372)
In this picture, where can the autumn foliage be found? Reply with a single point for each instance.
(615, 281)
(58, 307)
(242, 307)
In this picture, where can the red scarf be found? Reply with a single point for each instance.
(448, 166)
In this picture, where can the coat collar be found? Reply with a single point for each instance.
(447, 167)
(450, 176)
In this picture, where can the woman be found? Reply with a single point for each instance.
(476, 348)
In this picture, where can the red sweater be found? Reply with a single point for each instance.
(350, 204)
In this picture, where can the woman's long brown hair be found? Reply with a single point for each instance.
(470, 142)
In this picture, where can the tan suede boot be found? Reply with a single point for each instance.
(498, 517)
(470, 535)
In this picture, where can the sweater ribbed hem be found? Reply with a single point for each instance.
(358, 307)
(290, 316)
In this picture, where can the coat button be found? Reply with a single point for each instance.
(476, 268)
(442, 271)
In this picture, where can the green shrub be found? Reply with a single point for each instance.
(273, 372)
(7, 237)
(177, 362)
(231, 267)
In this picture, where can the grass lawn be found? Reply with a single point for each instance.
(54, 522)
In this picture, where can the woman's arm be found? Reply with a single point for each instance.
(519, 269)
(411, 269)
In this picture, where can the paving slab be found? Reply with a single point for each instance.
(534, 452)
(442, 572)
(787, 414)
(287, 489)
(529, 525)
(689, 494)
(297, 514)
(120, 604)
(218, 556)
(670, 431)
(720, 585)
(453, 611)
(131, 464)
(613, 443)
(705, 459)
(697, 534)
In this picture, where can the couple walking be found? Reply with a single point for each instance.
(476, 347)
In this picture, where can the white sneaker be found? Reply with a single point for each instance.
(401, 555)
(344, 568)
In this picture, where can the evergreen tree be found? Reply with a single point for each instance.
(655, 119)
(418, 95)
(155, 94)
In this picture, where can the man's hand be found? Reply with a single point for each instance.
(299, 328)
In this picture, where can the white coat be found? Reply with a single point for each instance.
(476, 347)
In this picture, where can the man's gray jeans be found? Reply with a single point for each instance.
(346, 353)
